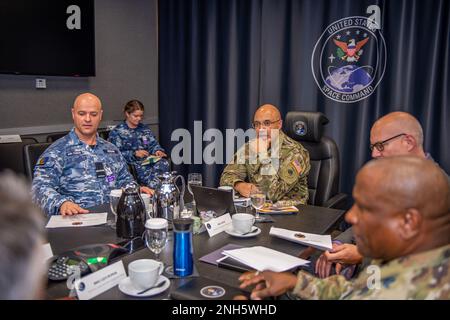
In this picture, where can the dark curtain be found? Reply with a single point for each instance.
(220, 60)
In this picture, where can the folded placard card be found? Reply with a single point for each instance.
(100, 281)
(321, 242)
(218, 225)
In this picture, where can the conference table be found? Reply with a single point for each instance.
(310, 219)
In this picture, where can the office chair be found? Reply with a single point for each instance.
(11, 155)
(323, 179)
(31, 154)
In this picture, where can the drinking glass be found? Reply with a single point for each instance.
(155, 235)
(194, 179)
(114, 198)
(258, 199)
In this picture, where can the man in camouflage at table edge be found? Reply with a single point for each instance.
(401, 219)
(283, 176)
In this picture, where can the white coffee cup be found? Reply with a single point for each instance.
(144, 273)
(227, 188)
(242, 222)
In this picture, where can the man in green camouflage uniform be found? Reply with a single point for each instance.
(278, 168)
(401, 218)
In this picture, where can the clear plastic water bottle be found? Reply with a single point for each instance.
(182, 247)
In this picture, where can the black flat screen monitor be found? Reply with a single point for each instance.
(47, 37)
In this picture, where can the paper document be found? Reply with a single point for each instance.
(151, 159)
(79, 220)
(313, 240)
(262, 258)
(271, 209)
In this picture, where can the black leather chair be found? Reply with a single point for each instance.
(11, 155)
(55, 136)
(31, 154)
(104, 133)
(323, 179)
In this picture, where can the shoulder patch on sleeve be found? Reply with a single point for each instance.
(297, 166)
(289, 173)
(42, 161)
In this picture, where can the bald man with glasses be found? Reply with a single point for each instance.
(278, 168)
(395, 134)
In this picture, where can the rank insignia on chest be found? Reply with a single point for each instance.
(100, 170)
(42, 161)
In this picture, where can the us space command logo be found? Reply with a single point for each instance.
(349, 59)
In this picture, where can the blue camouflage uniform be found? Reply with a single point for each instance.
(71, 170)
(129, 140)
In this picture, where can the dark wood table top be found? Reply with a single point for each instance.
(310, 219)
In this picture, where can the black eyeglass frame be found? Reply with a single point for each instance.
(380, 144)
(265, 123)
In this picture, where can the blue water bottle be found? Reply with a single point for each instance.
(182, 247)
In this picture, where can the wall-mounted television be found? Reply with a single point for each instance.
(47, 37)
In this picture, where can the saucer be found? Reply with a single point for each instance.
(233, 233)
(127, 287)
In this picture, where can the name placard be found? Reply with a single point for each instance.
(100, 281)
(218, 225)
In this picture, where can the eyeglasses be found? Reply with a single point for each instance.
(265, 123)
(380, 144)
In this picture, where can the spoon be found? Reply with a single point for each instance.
(252, 231)
(159, 285)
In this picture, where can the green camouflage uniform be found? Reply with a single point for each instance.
(424, 275)
(284, 180)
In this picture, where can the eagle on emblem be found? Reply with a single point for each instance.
(352, 51)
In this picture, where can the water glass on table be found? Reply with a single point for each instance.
(155, 235)
(194, 179)
(258, 199)
(148, 204)
(114, 198)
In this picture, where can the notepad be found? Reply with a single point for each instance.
(151, 159)
(321, 242)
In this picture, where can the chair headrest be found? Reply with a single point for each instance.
(305, 126)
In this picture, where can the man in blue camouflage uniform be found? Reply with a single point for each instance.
(139, 146)
(79, 170)
(401, 220)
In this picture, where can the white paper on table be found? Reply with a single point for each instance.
(262, 258)
(79, 220)
(321, 242)
(10, 138)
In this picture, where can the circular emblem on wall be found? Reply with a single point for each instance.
(349, 59)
